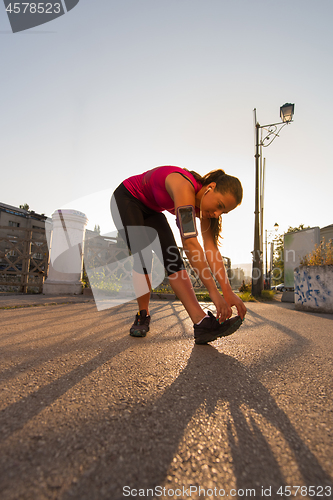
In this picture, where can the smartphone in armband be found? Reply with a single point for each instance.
(186, 221)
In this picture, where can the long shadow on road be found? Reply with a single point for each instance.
(153, 435)
(214, 395)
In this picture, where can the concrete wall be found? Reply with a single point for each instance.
(314, 288)
(296, 246)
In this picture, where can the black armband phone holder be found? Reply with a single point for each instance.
(186, 221)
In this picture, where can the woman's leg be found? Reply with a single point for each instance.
(129, 217)
(174, 265)
(133, 214)
(182, 286)
(142, 288)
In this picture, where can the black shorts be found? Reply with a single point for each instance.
(133, 220)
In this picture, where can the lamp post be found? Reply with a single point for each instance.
(268, 273)
(272, 131)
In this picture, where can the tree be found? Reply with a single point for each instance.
(25, 206)
(278, 257)
(97, 229)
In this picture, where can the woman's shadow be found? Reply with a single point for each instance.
(215, 396)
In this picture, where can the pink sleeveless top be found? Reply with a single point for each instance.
(149, 187)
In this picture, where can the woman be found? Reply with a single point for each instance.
(138, 203)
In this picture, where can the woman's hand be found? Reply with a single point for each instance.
(233, 300)
(223, 310)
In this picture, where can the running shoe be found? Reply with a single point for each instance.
(210, 329)
(140, 326)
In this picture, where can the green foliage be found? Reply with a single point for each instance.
(97, 229)
(322, 255)
(102, 281)
(245, 287)
(203, 297)
(162, 289)
(85, 280)
(106, 283)
(267, 294)
(25, 206)
(246, 297)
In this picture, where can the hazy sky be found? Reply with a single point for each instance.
(116, 87)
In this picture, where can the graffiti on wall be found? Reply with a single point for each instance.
(310, 289)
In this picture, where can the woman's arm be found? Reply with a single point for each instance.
(182, 193)
(216, 264)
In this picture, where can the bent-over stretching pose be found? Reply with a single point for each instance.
(137, 204)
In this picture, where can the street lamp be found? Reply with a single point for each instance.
(287, 112)
(272, 131)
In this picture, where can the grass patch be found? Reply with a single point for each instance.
(203, 297)
(247, 297)
(267, 295)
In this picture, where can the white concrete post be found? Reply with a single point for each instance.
(66, 253)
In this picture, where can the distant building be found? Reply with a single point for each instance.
(327, 233)
(18, 217)
(12, 221)
(237, 276)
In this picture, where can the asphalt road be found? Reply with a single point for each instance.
(90, 413)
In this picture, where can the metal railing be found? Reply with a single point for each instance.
(24, 258)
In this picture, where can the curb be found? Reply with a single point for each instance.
(87, 292)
